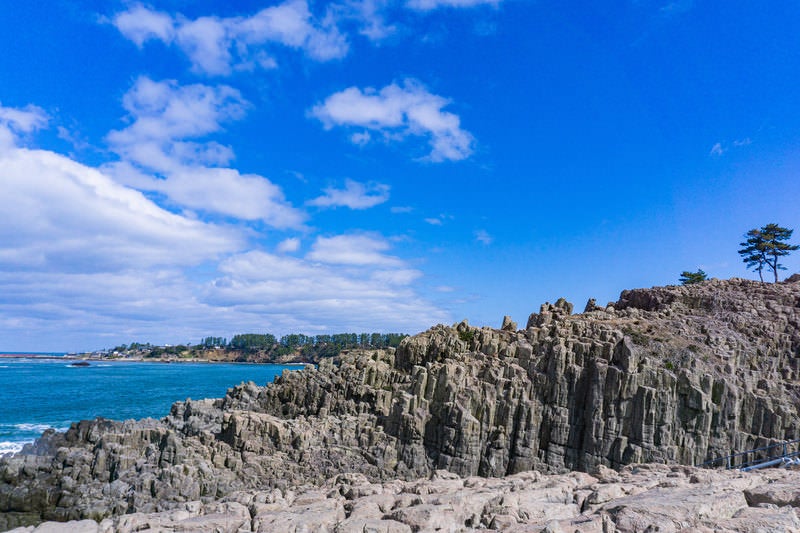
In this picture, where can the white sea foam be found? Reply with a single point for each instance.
(10, 447)
(32, 427)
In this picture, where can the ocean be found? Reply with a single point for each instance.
(37, 394)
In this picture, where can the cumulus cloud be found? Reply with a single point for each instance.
(217, 45)
(84, 259)
(164, 111)
(399, 112)
(352, 250)
(140, 24)
(362, 297)
(289, 245)
(87, 262)
(59, 213)
(225, 190)
(163, 150)
(355, 195)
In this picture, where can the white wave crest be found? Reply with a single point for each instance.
(10, 447)
(39, 428)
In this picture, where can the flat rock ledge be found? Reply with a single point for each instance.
(643, 497)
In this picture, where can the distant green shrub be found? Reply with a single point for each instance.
(467, 335)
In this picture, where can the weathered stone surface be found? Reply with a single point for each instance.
(508, 324)
(650, 498)
(664, 375)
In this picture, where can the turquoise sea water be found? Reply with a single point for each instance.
(36, 394)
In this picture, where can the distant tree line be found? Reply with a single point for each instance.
(133, 347)
(319, 345)
(265, 347)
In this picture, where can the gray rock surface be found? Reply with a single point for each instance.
(640, 498)
(664, 375)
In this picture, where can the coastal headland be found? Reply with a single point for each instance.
(597, 421)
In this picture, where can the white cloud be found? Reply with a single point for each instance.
(404, 276)
(140, 24)
(355, 195)
(361, 138)
(717, 150)
(217, 45)
(82, 256)
(483, 237)
(428, 5)
(206, 41)
(321, 297)
(352, 250)
(289, 245)
(14, 121)
(226, 191)
(721, 147)
(24, 120)
(164, 115)
(60, 214)
(439, 220)
(164, 111)
(370, 16)
(293, 25)
(88, 262)
(90, 310)
(399, 112)
(400, 209)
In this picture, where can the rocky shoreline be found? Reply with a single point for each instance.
(638, 498)
(669, 375)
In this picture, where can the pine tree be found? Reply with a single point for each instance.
(765, 246)
(687, 278)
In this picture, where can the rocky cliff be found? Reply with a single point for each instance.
(664, 375)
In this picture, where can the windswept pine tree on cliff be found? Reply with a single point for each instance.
(765, 246)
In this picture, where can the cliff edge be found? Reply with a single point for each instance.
(677, 374)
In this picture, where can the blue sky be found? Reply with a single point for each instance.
(176, 169)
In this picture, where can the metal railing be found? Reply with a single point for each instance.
(763, 457)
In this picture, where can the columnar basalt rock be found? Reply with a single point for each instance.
(664, 375)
